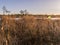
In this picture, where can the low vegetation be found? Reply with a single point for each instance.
(29, 30)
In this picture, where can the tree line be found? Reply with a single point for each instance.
(5, 11)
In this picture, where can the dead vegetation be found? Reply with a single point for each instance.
(29, 31)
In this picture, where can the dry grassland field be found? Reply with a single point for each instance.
(29, 30)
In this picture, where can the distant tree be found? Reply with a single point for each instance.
(5, 10)
(22, 12)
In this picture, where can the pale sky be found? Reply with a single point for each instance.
(32, 6)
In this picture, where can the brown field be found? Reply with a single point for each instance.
(29, 30)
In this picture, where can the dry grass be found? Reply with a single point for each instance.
(30, 31)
